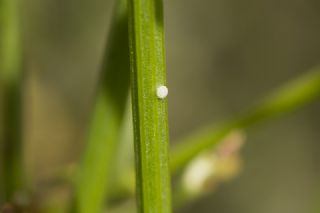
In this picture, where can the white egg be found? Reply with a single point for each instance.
(162, 92)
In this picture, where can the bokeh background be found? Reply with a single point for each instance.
(222, 56)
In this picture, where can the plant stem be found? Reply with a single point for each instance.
(150, 116)
(292, 96)
(10, 77)
(96, 169)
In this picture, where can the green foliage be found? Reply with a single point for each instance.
(97, 174)
(291, 96)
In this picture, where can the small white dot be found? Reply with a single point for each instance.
(162, 92)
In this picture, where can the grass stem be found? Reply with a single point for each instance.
(150, 115)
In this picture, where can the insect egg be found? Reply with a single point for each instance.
(162, 92)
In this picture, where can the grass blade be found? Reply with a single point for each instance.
(10, 81)
(292, 96)
(149, 112)
(96, 169)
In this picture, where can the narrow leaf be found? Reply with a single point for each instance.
(292, 96)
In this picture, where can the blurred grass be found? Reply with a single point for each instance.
(290, 97)
(11, 85)
(97, 168)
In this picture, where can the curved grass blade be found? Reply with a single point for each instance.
(292, 96)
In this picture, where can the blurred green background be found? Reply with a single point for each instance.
(222, 56)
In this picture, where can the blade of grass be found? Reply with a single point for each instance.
(10, 77)
(96, 169)
(124, 162)
(149, 112)
(292, 96)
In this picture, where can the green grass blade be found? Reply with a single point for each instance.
(96, 169)
(149, 112)
(292, 96)
(10, 82)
